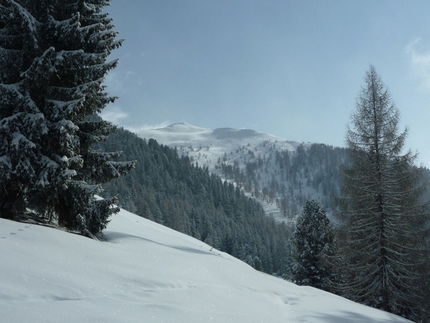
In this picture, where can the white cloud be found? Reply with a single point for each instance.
(419, 60)
(111, 79)
(130, 74)
(113, 114)
(117, 82)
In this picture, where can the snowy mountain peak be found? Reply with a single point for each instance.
(182, 127)
(183, 133)
(265, 166)
(175, 134)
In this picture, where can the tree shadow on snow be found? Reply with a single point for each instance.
(353, 317)
(115, 237)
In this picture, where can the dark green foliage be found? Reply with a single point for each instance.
(171, 190)
(384, 215)
(53, 61)
(313, 245)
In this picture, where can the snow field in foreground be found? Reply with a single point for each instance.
(144, 272)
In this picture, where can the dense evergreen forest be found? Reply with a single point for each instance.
(173, 191)
(287, 178)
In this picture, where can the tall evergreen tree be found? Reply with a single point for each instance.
(53, 59)
(313, 243)
(382, 210)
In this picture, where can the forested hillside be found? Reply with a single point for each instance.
(169, 187)
(171, 190)
(288, 178)
(281, 174)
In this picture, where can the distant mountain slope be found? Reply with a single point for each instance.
(281, 174)
(172, 191)
(144, 272)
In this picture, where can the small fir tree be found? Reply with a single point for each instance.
(313, 243)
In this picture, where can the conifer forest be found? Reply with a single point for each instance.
(354, 221)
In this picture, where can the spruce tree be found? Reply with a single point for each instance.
(53, 59)
(313, 243)
(383, 215)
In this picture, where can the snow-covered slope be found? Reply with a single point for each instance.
(144, 272)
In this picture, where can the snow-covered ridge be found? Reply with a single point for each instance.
(230, 133)
(144, 272)
(229, 146)
(183, 133)
(182, 127)
(175, 134)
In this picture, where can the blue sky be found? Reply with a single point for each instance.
(289, 68)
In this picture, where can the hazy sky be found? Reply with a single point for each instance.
(292, 68)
